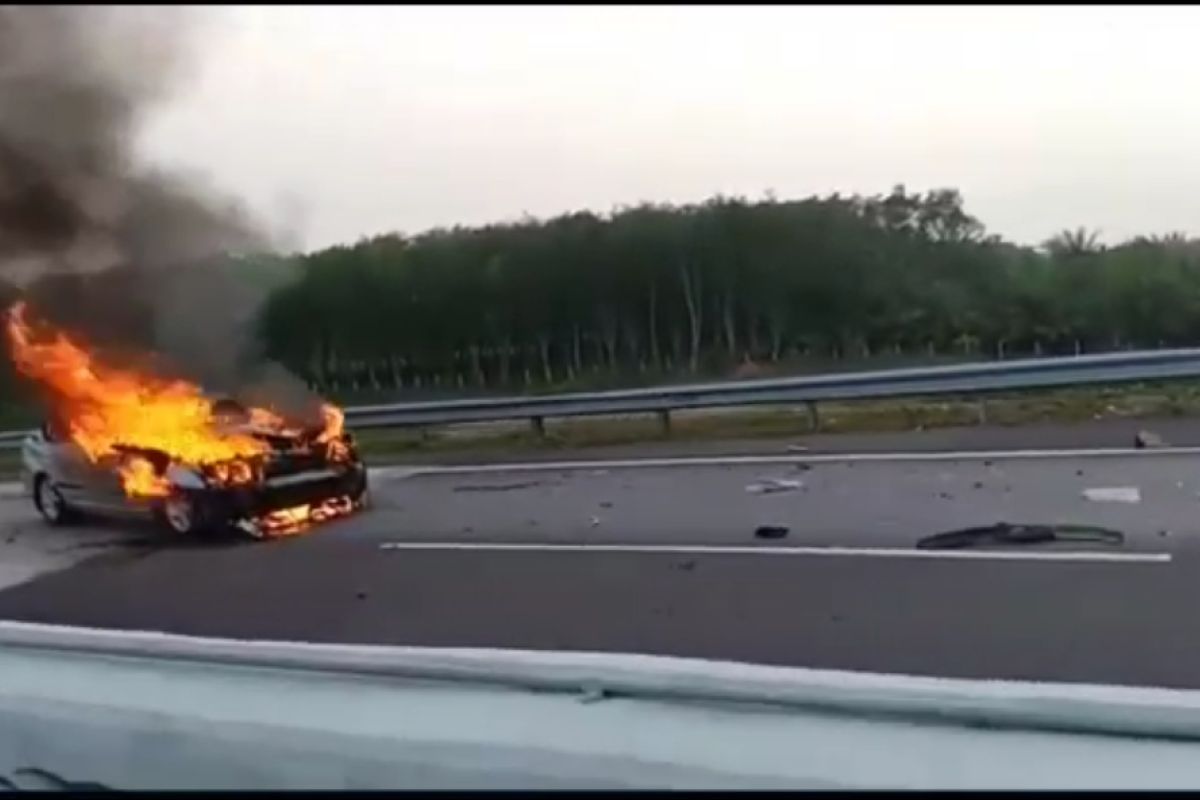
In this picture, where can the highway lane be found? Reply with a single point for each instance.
(823, 501)
(871, 607)
(1096, 622)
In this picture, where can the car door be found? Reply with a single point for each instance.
(65, 463)
(84, 483)
(101, 480)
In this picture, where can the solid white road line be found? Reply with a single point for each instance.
(802, 458)
(411, 470)
(868, 552)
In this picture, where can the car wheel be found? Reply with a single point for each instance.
(49, 501)
(182, 514)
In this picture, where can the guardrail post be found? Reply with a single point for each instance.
(664, 421)
(814, 419)
(539, 426)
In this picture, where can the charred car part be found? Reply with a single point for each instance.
(1004, 533)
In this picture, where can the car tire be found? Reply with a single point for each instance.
(182, 514)
(50, 503)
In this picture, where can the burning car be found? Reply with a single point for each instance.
(121, 442)
(296, 481)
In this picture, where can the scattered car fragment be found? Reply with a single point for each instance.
(1148, 439)
(1004, 533)
(772, 485)
(1114, 494)
(771, 531)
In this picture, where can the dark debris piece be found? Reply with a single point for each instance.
(1148, 439)
(771, 531)
(1003, 533)
(497, 487)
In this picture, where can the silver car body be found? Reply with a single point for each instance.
(86, 485)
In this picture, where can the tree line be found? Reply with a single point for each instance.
(697, 288)
(656, 291)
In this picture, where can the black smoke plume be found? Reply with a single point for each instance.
(127, 255)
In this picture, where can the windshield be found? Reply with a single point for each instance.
(860, 339)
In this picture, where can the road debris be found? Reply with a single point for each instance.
(606, 504)
(1148, 439)
(770, 531)
(140, 541)
(1004, 533)
(773, 485)
(797, 448)
(497, 487)
(595, 521)
(1114, 494)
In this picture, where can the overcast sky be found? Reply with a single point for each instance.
(351, 121)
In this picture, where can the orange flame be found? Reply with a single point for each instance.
(139, 479)
(331, 436)
(107, 410)
(293, 520)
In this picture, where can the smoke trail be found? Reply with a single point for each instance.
(100, 242)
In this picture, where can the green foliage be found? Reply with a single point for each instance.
(658, 290)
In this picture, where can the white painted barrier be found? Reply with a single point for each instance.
(153, 711)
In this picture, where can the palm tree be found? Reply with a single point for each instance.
(1078, 242)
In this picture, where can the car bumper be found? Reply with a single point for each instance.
(251, 502)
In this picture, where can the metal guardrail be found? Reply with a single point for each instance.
(956, 379)
(963, 379)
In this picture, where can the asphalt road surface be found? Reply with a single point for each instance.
(664, 559)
